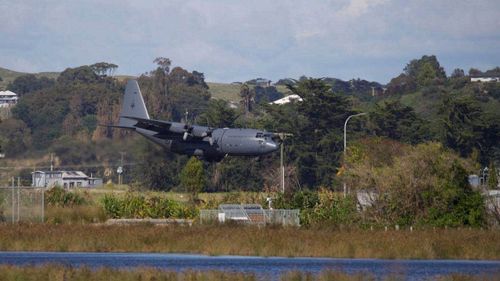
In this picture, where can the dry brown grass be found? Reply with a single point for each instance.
(62, 273)
(243, 240)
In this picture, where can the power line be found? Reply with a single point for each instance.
(70, 166)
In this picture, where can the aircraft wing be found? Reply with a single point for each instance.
(151, 124)
(169, 130)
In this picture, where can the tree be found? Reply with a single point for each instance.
(396, 121)
(423, 184)
(104, 68)
(247, 98)
(218, 115)
(193, 177)
(318, 134)
(475, 72)
(493, 176)
(425, 70)
(29, 83)
(463, 125)
(457, 73)
(15, 136)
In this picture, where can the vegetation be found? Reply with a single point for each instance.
(247, 240)
(60, 272)
(139, 206)
(439, 129)
(193, 177)
(420, 185)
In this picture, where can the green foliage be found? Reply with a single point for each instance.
(59, 197)
(425, 184)
(193, 176)
(15, 137)
(158, 170)
(139, 206)
(493, 176)
(425, 70)
(218, 115)
(318, 138)
(398, 122)
(463, 125)
(320, 207)
(29, 83)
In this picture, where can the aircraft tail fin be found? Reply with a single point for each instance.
(133, 105)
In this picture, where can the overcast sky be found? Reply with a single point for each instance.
(240, 40)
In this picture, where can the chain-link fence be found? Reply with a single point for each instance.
(276, 216)
(21, 204)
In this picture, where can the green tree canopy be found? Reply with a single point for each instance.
(398, 122)
(29, 83)
(193, 176)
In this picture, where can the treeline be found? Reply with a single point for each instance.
(422, 104)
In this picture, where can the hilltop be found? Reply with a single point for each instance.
(8, 76)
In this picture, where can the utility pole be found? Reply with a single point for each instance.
(120, 169)
(282, 153)
(51, 162)
(345, 143)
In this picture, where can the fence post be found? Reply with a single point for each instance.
(18, 197)
(12, 202)
(43, 204)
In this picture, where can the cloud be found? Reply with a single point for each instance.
(240, 40)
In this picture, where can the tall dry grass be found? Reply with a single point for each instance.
(247, 240)
(63, 273)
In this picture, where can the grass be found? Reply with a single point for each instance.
(60, 272)
(231, 92)
(246, 240)
(9, 76)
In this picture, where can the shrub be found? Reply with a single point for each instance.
(59, 197)
(139, 206)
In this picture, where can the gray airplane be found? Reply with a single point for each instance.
(211, 144)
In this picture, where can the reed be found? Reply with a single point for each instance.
(56, 272)
(249, 240)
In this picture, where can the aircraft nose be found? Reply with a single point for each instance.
(271, 146)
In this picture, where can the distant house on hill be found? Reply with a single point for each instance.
(484, 79)
(65, 179)
(262, 82)
(8, 98)
(287, 99)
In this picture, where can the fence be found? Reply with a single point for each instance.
(277, 216)
(21, 204)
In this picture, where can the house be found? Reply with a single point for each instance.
(8, 98)
(287, 99)
(65, 179)
(262, 82)
(484, 79)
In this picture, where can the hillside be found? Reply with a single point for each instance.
(8, 76)
(231, 92)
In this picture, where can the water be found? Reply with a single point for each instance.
(265, 267)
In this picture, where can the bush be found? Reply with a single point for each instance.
(59, 197)
(139, 206)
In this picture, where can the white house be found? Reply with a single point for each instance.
(8, 98)
(287, 99)
(485, 79)
(65, 179)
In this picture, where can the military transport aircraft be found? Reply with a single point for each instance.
(211, 144)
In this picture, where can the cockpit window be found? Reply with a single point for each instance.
(259, 135)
